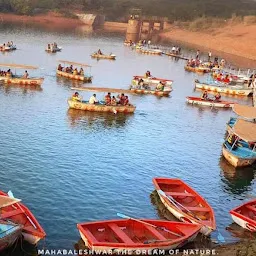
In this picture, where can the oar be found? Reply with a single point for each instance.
(172, 200)
(10, 194)
(164, 229)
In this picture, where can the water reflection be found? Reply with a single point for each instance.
(69, 83)
(24, 89)
(236, 181)
(239, 232)
(86, 119)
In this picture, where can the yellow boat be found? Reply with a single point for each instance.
(84, 78)
(103, 56)
(17, 79)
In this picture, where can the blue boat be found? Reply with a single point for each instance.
(9, 233)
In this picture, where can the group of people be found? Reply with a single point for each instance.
(224, 78)
(216, 98)
(9, 73)
(6, 45)
(176, 50)
(52, 47)
(71, 70)
(122, 99)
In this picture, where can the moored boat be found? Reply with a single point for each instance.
(103, 56)
(10, 78)
(238, 90)
(153, 80)
(185, 203)
(135, 235)
(74, 74)
(9, 233)
(239, 148)
(18, 213)
(210, 103)
(245, 215)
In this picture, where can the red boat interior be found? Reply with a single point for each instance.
(133, 232)
(184, 195)
(248, 210)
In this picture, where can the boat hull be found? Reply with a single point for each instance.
(100, 107)
(127, 238)
(157, 93)
(209, 103)
(229, 90)
(235, 160)
(182, 215)
(22, 81)
(154, 80)
(152, 52)
(87, 79)
(197, 69)
(9, 239)
(101, 56)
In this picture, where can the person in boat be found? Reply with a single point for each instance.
(197, 54)
(93, 99)
(113, 101)
(148, 74)
(25, 74)
(121, 99)
(179, 51)
(9, 73)
(49, 47)
(174, 49)
(126, 101)
(204, 96)
(160, 86)
(81, 72)
(75, 72)
(231, 140)
(55, 45)
(222, 62)
(76, 97)
(108, 99)
(226, 79)
(71, 68)
(100, 52)
(217, 97)
(60, 67)
(141, 83)
(209, 55)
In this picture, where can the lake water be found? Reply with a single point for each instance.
(71, 166)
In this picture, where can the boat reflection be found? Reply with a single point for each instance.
(25, 89)
(238, 232)
(86, 119)
(69, 83)
(236, 180)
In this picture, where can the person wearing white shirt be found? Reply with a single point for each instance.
(93, 99)
(173, 49)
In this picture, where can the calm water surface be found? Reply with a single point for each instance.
(71, 166)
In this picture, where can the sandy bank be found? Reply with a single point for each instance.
(239, 40)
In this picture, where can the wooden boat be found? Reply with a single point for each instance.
(15, 79)
(16, 212)
(103, 56)
(165, 92)
(242, 150)
(9, 233)
(245, 215)
(151, 51)
(210, 103)
(185, 203)
(197, 69)
(84, 78)
(101, 107)
(132, 235)
(7, 48)
(153, 80)
(178, 56)
(238, 90)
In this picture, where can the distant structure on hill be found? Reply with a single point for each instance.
(91, 19)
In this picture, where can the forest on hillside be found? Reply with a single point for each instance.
(119, 10)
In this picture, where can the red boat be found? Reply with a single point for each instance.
(131, 234)
(245, 215)
(185, 203)
(18, 213)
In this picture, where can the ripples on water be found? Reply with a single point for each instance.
(71, 166)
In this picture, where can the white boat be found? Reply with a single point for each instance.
(210, 103)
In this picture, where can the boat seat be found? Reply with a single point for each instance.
(250, 207)
(179, 194)
(198, 209)
(155, 232)
(11, 213)
(120, 233)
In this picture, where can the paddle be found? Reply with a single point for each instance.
(162, 228)
(10, 194)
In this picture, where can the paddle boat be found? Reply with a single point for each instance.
(185, 203)
(5, 48)
(239, 148)
(238, 90)
(80, 75)
(18, 213)
(9, 233)
(10, 78)
(103, 56)
(52, 48)
(136, 235)
(210, 103)
(245, 215)
(152, 80)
